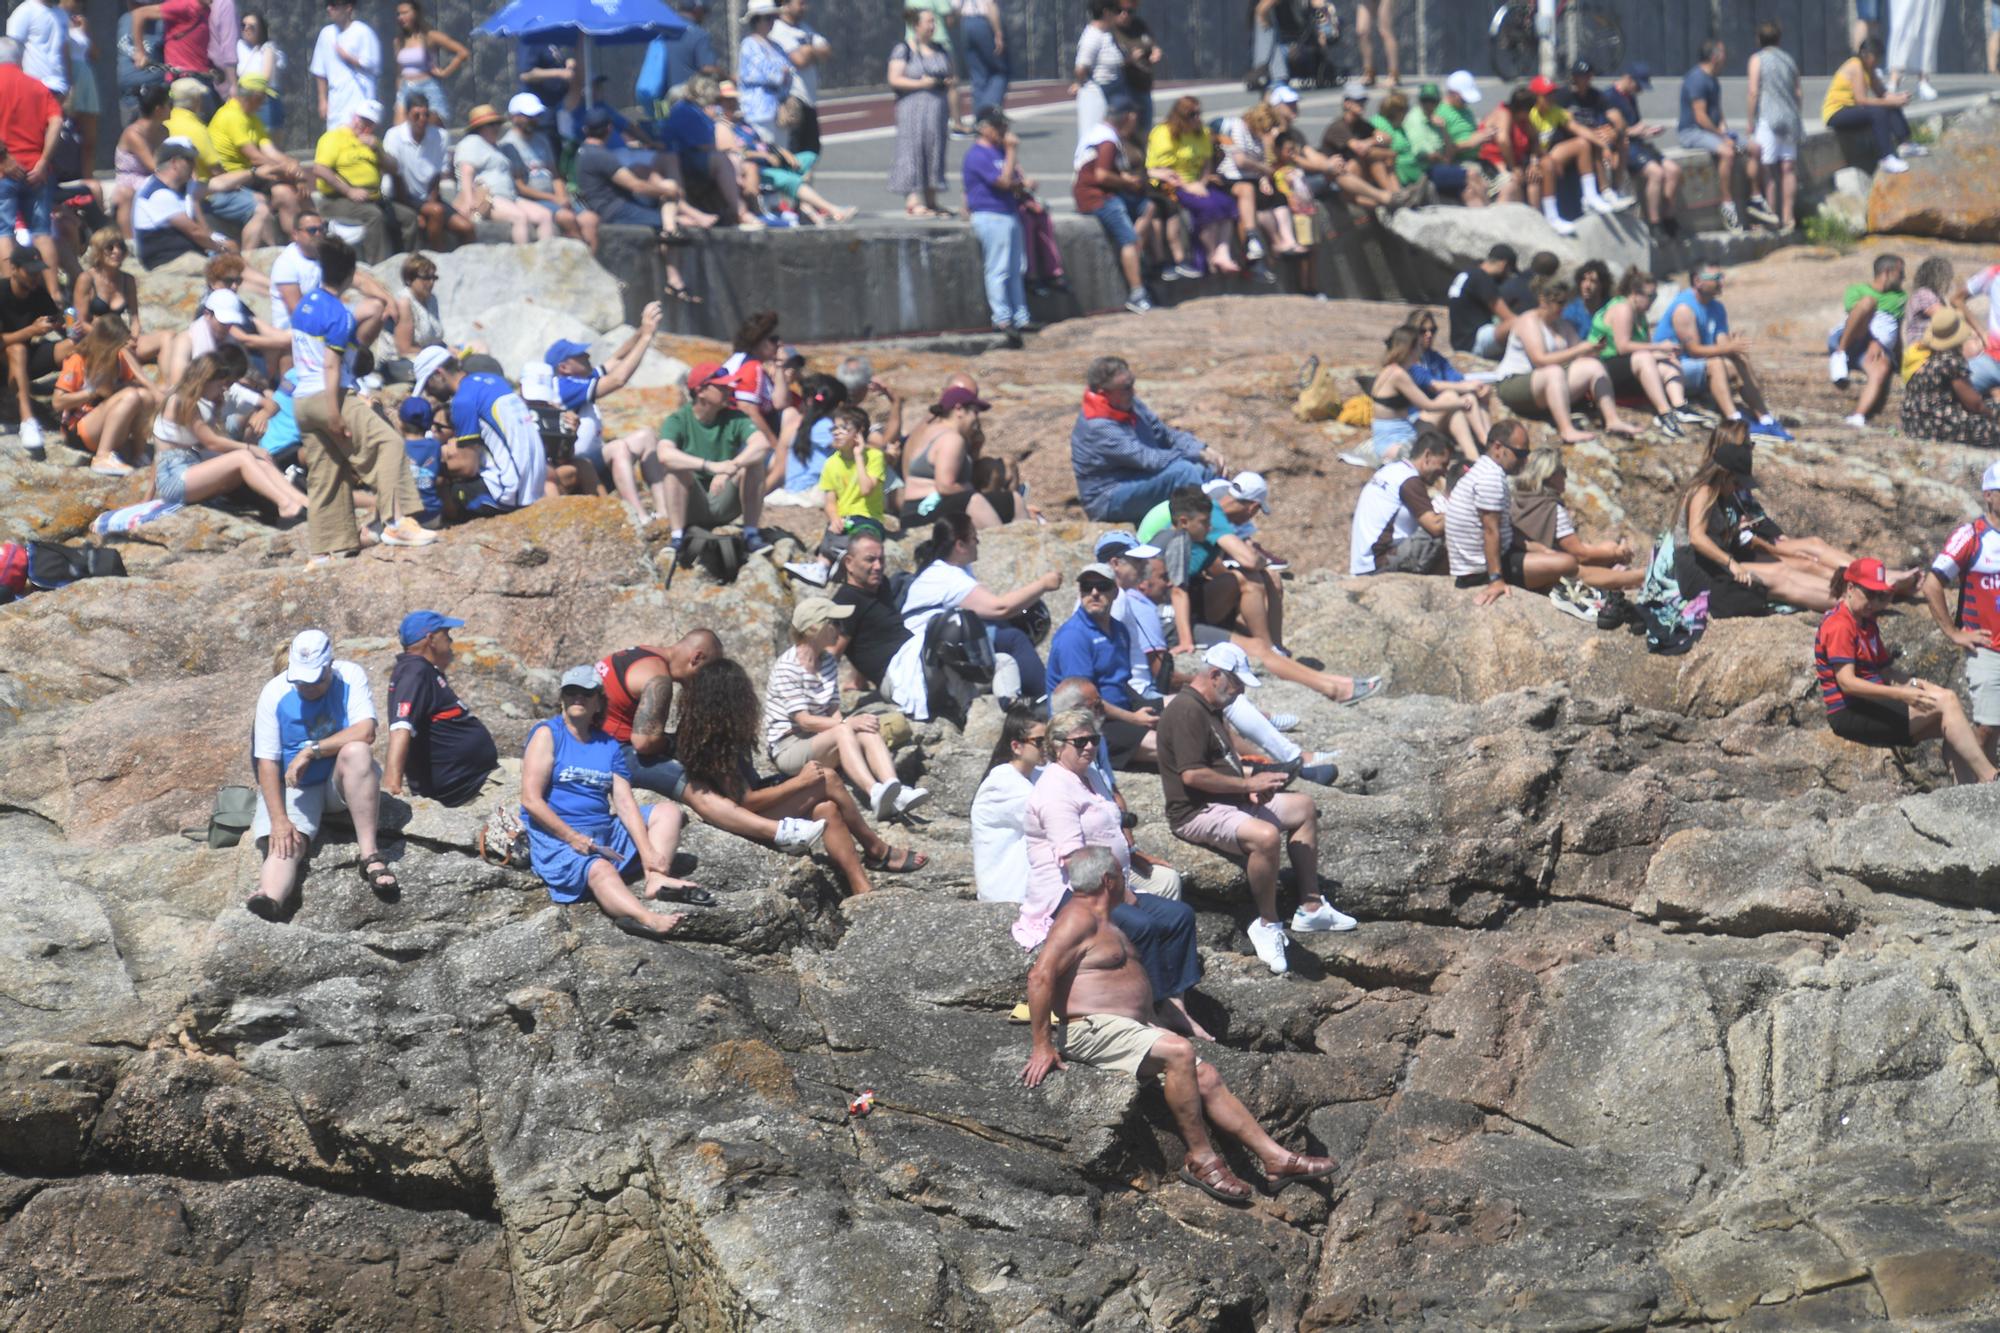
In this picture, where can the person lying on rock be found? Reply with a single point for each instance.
(1089, 1000)
(436, 745)
(1214, 801)
(311, 745)
(639, 701)
(719, 733)
(585, 831)
(1862, 704)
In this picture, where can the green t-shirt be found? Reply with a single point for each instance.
(1600, 328)
(1458, 127)
(1407, 170)
(1886, 303)
(718, 443)
(1424, 137)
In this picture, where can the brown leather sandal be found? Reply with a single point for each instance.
(1217, 1181)
(1297, 1168)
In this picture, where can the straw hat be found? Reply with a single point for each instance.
(484, 114)
(1947, 331)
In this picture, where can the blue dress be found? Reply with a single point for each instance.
(580, 792)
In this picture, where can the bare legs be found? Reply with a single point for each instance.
(249, 466)
(112, 421)
(360, 785)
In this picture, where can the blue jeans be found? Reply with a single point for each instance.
(1984, 372)
(1130, 501)
(1886, 124)
(662, 775)
(1004, 248)
(1268, 53)
(984, 66)
(1116, 218)
(21, 202)
(1011, 641)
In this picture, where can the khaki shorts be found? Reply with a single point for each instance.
(1217, 826)
(1982, 682)
(792, 754)
(1107, 1041)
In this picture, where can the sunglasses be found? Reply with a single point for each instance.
(572, 692)
(1081, 743)
(312, 231)
(1094, 589)
(1039, 742)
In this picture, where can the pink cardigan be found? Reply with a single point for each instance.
(1064, 815)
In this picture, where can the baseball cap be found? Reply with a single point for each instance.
(1097, 570)
(1867, 573)
(1541, 85)
(1581, 68)
(958, 396)
(371, 111)
(526, 104)
(420, 625)
(175, 147)
(428, 362)
(1992, 481)
(812, 612)
(1354, 90)
(563, 349)
(311, 657)
(1246, 487)
(702, 374)
(582, 678)
(1228, 657)
(27, 259)
(1429, 93)
(726, 90)
(253, 83)
(226, 306)
(1503, 251)
(597, 118)
(1282, 95)
(1460, 81)
(1114, 541)
(416, 411)
(1640, 73)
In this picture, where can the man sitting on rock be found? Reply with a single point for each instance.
(1213, 802)
(515, 471)
(579, 388)
(1396, 528)
(872, 636)
(434, 740)
(349, 166)
(1094, 646)
(714, 458)
(1869, 334)
(1126, 459)
(1482, 547)
(1481, 316)
(1714, 358)
(312, 747)
(1089, 1000)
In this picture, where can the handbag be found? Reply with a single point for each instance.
(235, 810)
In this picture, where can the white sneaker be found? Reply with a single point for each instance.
(1269, 941)
(1253, 249)
(1913, 150)
(882, 796)
(1892, 164)
(797, 836)
(1836, 368)
(1324, 917)
(1926, 93)
(808, 571)
(31, 433)
(1599, 204)
(911, 798)
(1561, 226)
(1857, 421)
(1619, 202)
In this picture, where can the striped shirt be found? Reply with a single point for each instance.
(795, 687)
(1483, 489)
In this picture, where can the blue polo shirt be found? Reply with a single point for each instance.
(1101, 656)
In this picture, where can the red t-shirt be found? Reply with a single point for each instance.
(187, 35)
(745, 376)
(1087, 191)
(1844, 641)
(1973, 554)
(26, 108)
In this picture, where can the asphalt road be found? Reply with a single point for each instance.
(860, 138)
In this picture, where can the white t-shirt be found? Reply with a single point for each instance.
(157, 207)
(1143, 627)
(1097, 52)
(347, 87)
(490, 166)
(1380, 505)
(1981, 284)
(942, 586)
(790, 37)
(1484, 488)
(417, 164)
(43, 32)
(291, 266)
(268, 60)
(1000, 835)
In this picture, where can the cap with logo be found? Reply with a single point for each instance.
(310, 659)
(1282, 95)
(1541, 85)
(420, 625)
(1867, 573)
(1228, 657)
(565, 348)
(1244, 488)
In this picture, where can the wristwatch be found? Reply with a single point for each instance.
(1494, 578)
(314, 747)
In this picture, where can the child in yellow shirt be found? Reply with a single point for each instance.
(855, 477)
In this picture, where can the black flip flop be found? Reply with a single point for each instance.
(262, 908)
(913, 861)
(693, 895)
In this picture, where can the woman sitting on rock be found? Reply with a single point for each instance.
(945, 582)
(1637, 363)
(1067, 813)
(938, 478)
(1935, 286)
(1433, 369)
(1725, 541)
(103, 395)
(194, 461)
(1400, 403)
(1939, 402)
(1541, 517)
(1547, 365)
(1000, 807)
(1180, 157)
(105, 288)
(1861, 704)
(585, 832)
(719, 732)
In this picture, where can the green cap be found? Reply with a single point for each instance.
(1429, 93)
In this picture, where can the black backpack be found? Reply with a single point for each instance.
(958, 663)
(1034, 621)
(721, 554)
(51, 566)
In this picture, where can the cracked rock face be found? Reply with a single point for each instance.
(1667, 1009)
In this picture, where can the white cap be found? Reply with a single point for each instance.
(1354, 90)
(1460, 81)
(427, 363)
(525, 104)
(1281, 95)
(312, 654)
(1142, 551)
(1246, 487)
(226, 306)
(371, 111)
(1992, 482)
(1228, 657)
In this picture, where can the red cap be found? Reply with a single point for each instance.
(705, 373)
(1868, 574)
(1541, 86)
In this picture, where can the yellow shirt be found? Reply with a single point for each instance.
(1545, 121)
(185, 124)
(840, 477)
(1840, 93)
(1187, 155)
(232, 128)
(350, 159)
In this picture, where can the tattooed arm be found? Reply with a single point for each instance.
(649, 717)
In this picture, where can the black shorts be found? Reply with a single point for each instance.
(1885, 726)
(41, 359)
(1513, 569)
(946, 504)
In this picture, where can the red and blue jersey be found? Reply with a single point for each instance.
(1845, 640)
(1972, 555)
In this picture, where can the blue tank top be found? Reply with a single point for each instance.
(580, 778)
(1710, 320)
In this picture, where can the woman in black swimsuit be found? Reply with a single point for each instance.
(1720, 552)
(105, 288)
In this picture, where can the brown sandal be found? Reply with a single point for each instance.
(1297, 1168)
(1217, 1181)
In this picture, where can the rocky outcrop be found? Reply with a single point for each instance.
(1944, 195)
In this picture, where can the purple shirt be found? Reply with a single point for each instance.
(982, 167)
(1064, 816)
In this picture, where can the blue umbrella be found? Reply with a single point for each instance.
(585, 22)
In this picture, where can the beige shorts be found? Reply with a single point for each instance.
(793, 754)
(1217, 826)
(1107, 1041)
(1982, 680)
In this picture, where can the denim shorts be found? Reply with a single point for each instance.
(1694, 373)
(1449, 178)
(230, 205)
(17, 198)
(1116, 217)
(170, 473)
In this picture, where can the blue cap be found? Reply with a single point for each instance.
(415, 411)
(420, 625)
(565, 349)
(1640, 73)
(597, 117)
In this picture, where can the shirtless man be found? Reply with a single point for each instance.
(639, 698)
(1090, 974)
